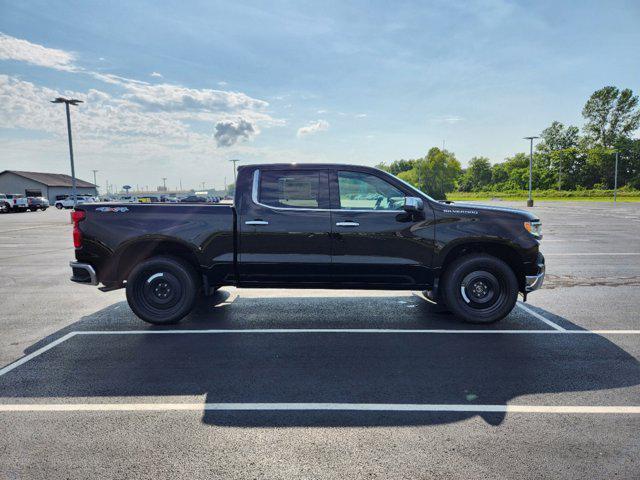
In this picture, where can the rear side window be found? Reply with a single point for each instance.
(290, 189)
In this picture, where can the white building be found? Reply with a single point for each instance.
(36, 184)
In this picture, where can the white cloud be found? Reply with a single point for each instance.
(170, 98)
(448, 119)
(132, 108)
(222, 84)
(361, 115)
(12, 48)
(229, 132)
(313, 127)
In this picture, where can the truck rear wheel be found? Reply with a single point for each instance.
(162, 290)
(480, 288)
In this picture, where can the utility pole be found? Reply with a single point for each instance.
(615, 182)
(202, 185)
(235, 179)
(94, 179)
(531, 139)
(67, 102)
(164, 183)
(180, 184)
(560, 174)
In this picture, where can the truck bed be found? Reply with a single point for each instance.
(114, 234)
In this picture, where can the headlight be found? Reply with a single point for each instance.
(534, 228)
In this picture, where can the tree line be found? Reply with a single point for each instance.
(564, 159)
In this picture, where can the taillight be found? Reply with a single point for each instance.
(76, 217)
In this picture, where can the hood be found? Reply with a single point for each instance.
(488, 210)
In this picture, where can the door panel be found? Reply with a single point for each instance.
(375, 243)
(286, 240)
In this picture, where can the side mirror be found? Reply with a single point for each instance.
(413, 204)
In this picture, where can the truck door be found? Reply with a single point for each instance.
(284, 227)
(375, 242)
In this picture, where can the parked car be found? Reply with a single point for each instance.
(298, 226)
(37, 203)
(128, 199)
(13, 202)
(170, 199)
(66, 201)
(193, 199)
(149, 199)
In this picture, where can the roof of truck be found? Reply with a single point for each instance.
(305, 165)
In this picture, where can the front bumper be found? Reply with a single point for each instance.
(534, 282)
(83, 273)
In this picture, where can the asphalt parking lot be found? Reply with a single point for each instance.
(324, 384)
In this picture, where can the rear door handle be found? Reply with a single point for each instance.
(347, 224)
(256, 222)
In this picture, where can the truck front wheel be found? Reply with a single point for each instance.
(162, 290)
(480, 288)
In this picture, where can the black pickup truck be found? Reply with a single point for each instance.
(311, 226)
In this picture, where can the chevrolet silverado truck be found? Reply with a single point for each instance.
(311, 226)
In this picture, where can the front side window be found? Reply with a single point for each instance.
(362, 191)
(290, 189)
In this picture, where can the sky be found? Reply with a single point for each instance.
(177, 88)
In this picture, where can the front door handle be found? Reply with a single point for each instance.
(256, 222)
(347, 224)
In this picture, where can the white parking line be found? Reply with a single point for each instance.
(540, 317)
(40, 351)
(591, 254)
(347, 407)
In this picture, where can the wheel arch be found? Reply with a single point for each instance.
(134, 252)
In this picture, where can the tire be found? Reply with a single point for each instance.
(59, 206)
(480, 288)
(5, 208)
(162, 290)
(33, 209)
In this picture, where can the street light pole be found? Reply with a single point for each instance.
(94, 180)
(615, 182)
(530, 200)
(235, 179)
(67, 102)
(164, 183)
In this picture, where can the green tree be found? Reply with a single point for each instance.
(436, 174)
(568, 163)
(397, 166)
(559, 137)
(477, 176)
(611, 114)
